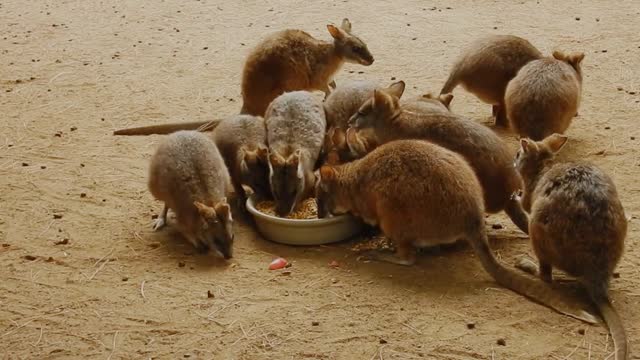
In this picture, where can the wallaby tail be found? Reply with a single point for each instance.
(517, 214)
(535, 290)
(599, 296)
(169, 128)
(451, 82)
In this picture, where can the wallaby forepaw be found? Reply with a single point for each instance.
(516, 196)
(159, 223)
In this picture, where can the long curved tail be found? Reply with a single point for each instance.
(451, 82)
(612, 319)
(535, 290)
(169, 128)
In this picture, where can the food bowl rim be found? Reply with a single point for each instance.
(295, 222)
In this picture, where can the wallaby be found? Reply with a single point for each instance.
(577, 223)
(285, 61)
(420, 195)
(486, 66)
(292, 60)
(382, 119)
(544, 97)
(188, 174)
(242, 141)
(296, 128)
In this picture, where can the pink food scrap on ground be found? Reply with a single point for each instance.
(278, 263)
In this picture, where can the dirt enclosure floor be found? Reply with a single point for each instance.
(83, 276)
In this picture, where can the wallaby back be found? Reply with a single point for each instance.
(544, 97)
(242, 141)
(296, 126)
(188, 174)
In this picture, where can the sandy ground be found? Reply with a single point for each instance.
(83, 275)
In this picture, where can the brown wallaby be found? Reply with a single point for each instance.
(292, 60)
(421, 195)
(285, 61)
(382, 119)
(188, 174)
(577, 223)
(296, 128)
(486, 67)
(242, 141)
(544, 97)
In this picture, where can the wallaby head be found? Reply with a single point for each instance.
(216, 227)
(287, 180)
(327, 197)
(382, 106)
(351, 47)
(574, 59)
(534, 155)
(443, 100)
(362, 141)
(254, 168)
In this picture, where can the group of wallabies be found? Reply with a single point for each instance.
(421, 173)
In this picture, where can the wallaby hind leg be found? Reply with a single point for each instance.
(161, 221)
(405, 255)
(545, 272)
(500, 115)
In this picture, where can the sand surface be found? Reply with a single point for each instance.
(83, 275)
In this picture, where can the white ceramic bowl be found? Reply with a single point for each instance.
(307, 231)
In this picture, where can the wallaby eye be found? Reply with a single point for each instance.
(358, 50)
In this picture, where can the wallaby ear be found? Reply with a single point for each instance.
(333, 158)
(338, 138)
(381, 99)
(223, 210)
(396, 89)
(559, 55)
(445, 99)
(327, 173)
(527, 145)
(262, 153)
(575, 59)
(555, 142)
(205, 211)
(346, 25)
(275, 159)
(294, 159)
(335, 32)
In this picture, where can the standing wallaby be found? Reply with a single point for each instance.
(486, 67)
(285, 61)
(188, 174)
(382, 119)
(292, 60)
(421, 195)
(544, 97)
(242, 141)
(296, 128)
(577, 223)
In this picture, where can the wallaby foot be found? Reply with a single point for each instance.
(161, 221)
